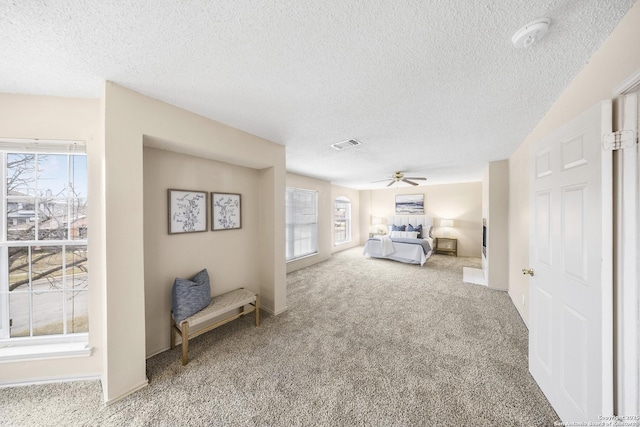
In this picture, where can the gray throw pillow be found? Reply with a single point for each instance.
(190, 296)
(418, 229)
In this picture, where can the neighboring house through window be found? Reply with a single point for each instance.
(301, 223)
(342, 220)
(43, 241)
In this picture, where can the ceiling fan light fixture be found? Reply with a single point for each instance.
(531, 33)
(398, 177)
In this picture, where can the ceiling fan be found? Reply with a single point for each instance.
(399, 176)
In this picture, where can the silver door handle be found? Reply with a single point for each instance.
(526, 271)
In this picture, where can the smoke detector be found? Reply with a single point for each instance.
(531, 33)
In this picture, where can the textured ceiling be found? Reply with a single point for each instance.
(431, 87)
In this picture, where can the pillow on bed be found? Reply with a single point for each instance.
(427, 230)
(405, 234)
(398, 227)
(418, 229)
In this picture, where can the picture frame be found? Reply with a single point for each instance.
(410, 204)
(226, 211)
(188, 211)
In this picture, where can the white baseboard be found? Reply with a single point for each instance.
(524, 320)
(474, 276)
(273, 313)
(48, 380)
(128, 393)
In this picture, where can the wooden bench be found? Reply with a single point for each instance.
(199, 323)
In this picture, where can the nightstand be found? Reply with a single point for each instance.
(445, 245)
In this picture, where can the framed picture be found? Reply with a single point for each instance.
(187, 211)
(226, 212)
(410, 204)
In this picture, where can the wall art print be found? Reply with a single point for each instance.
(187, 211)
(410, 204)
(226, 211)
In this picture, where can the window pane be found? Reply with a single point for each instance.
(46, 268)
(342, 216)
(52, 219)
(47, 313)
(76, 290)
(76, 273)
(77, 311)
(19, 313)
(78, 176)
(18, 268)
(52, 175)
(78, 220)
(302, 219)
(21, 218)
(21, 179)
(46, 276)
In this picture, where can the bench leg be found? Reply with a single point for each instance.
(173, 333)
(185, 343)
(257, 311)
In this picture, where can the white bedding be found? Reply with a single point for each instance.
(403, 252)
(383, 247)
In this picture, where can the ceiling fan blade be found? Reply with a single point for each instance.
(415, 177)
(409, 182)
(390, 184)
(381, 180)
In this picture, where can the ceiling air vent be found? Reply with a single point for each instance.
(346, 144)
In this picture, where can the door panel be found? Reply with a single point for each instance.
(574, 252)
(543, 347)
(570, 340)
(543, 227)
(574, 365)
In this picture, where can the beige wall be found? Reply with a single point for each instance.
(31, 117)
(354, 197)
(460, 202)
(495, 209)
(364, 215)
(325, 219)
(229, 255)
(129, 120)
(615, 61)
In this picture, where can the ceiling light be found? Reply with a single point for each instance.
(531, 33)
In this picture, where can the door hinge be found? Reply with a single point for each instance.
(618, 140)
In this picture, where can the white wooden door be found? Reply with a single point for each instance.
(571, 326)
(627, 266)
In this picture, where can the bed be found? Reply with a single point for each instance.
(402, 246)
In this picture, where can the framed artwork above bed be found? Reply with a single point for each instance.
(409, 204)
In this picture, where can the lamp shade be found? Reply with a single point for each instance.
(446, 223)
(376, 220)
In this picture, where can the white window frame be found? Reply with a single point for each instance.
(43, 346)
(311, 220)
(346, 204)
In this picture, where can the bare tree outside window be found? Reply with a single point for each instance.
(46, 230)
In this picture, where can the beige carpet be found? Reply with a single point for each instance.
(364, 342)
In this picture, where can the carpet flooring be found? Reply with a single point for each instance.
(364, 342)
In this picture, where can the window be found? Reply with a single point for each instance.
(302, 223)
(43, 240)
(342, 220)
